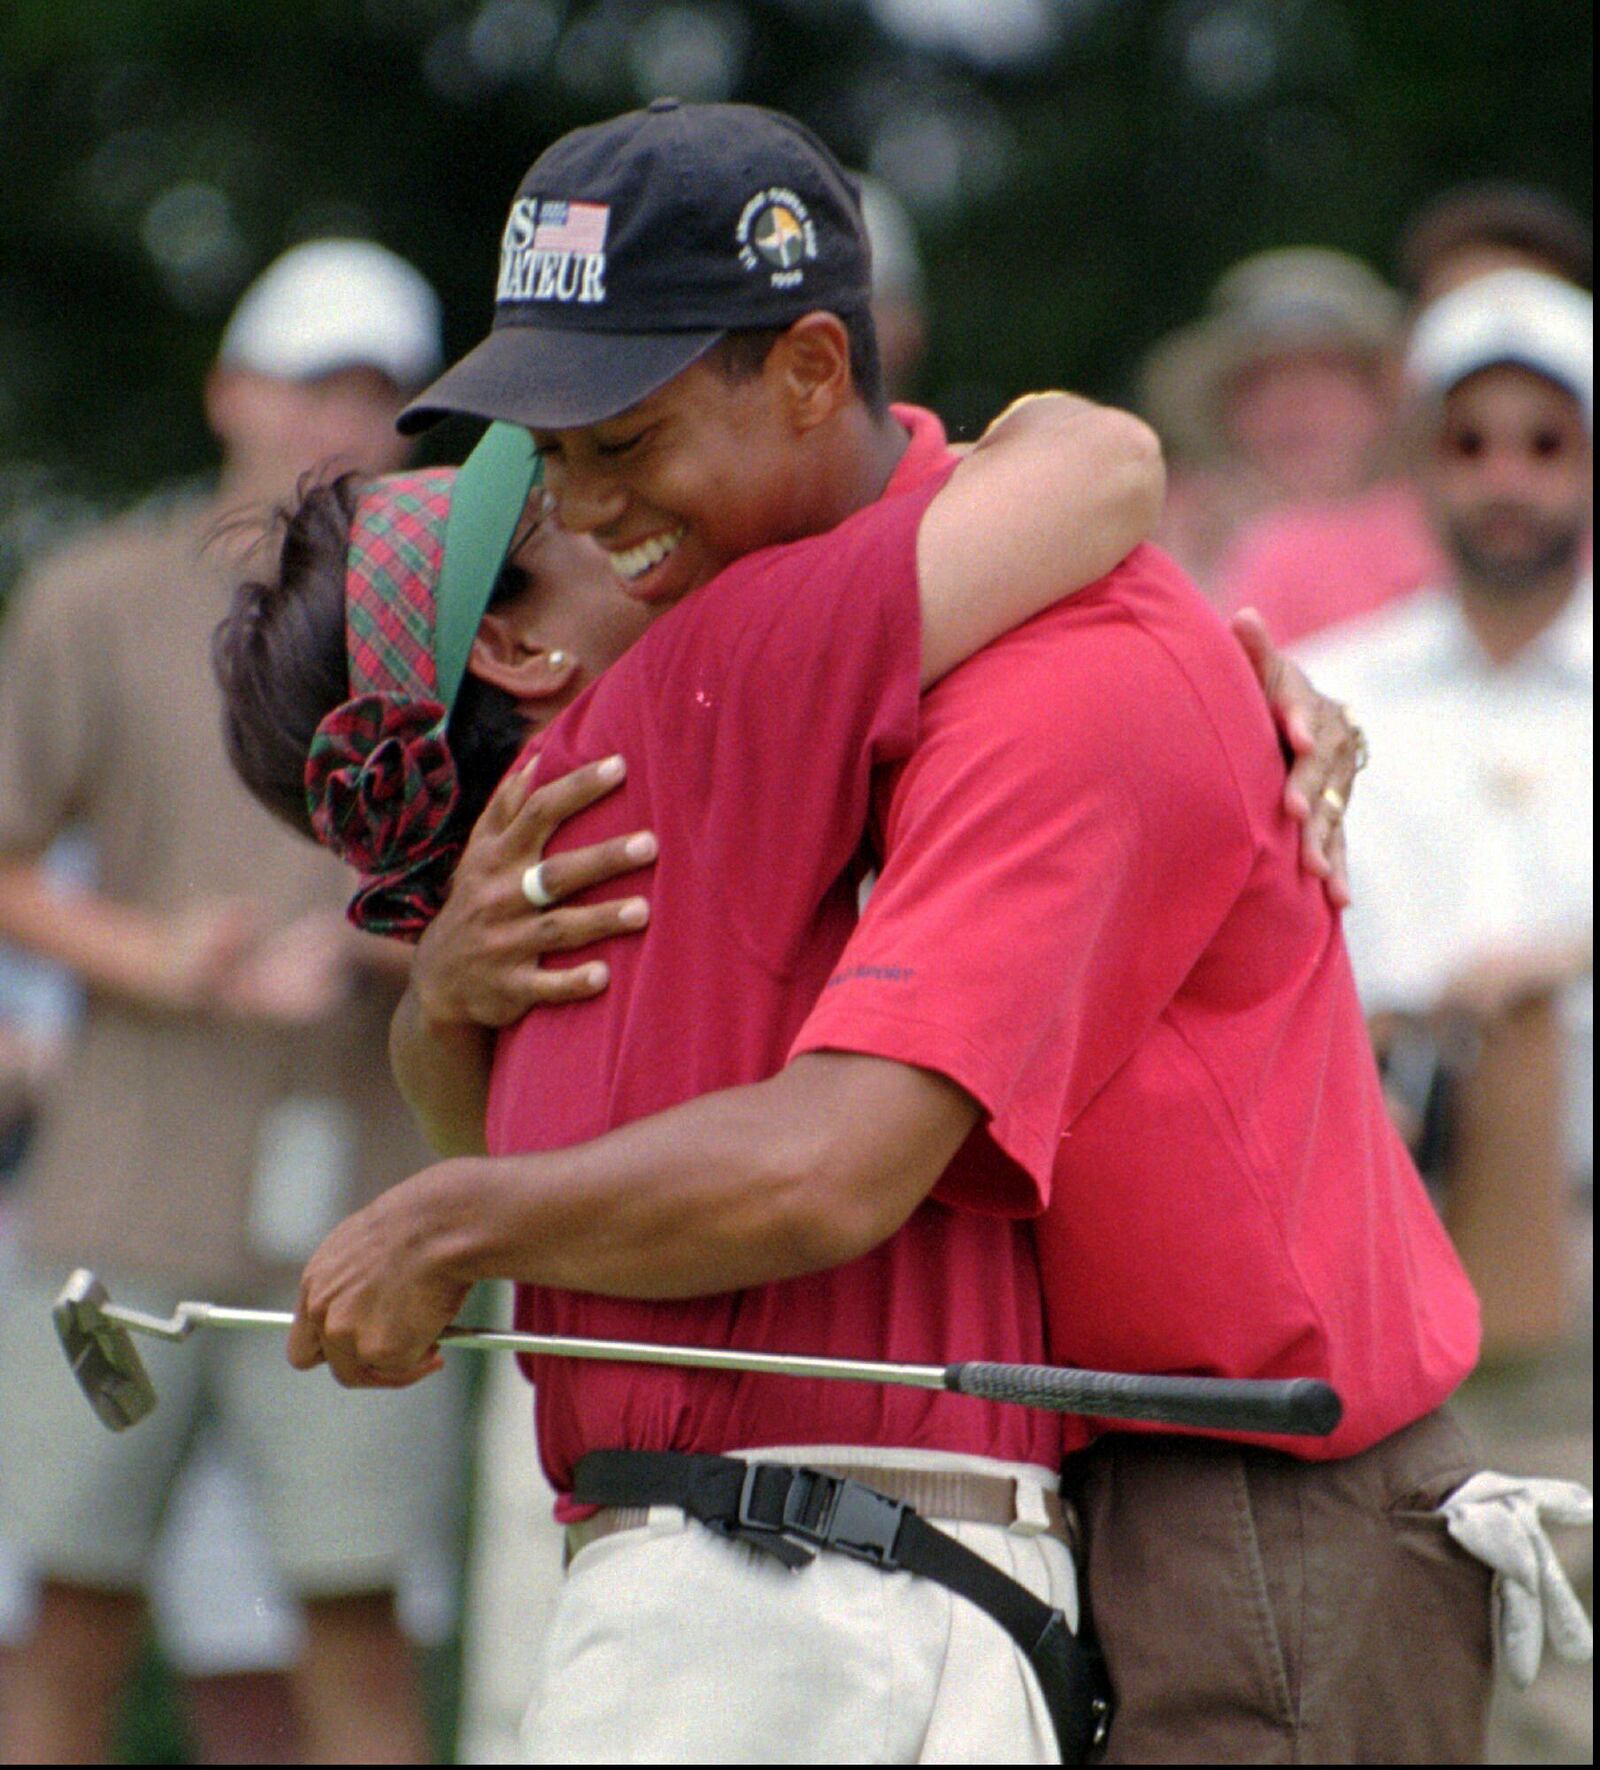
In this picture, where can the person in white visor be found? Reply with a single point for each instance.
(1472, 927)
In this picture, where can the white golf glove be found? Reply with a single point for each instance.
(1500, 1520)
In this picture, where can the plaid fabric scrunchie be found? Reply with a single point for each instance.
(381, 783)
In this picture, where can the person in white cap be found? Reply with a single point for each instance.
(1478, 695)
(336, 304)
(222, 1108)
(1472, 861)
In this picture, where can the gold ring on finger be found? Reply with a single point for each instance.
(1334, 800)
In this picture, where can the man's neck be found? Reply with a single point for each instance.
(1505, 626)
(849, 468)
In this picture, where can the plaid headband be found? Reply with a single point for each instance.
(381, 782)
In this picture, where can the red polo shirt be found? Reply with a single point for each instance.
(1092, 917)
(752, 717)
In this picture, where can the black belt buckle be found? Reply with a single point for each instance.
(766, 1534)
(845, 1515)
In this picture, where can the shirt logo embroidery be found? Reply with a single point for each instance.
(776, 234)
(872, 974)
(554, 251)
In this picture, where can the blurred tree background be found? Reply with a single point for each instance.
(1080, 170)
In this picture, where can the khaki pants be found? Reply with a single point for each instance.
(1256, 1609)
(672, 1645)
(514, 1578)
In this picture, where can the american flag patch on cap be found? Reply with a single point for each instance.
(571, 227)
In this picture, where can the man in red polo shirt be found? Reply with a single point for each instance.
(1097, 799)
(816, 1167)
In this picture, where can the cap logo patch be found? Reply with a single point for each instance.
(776, 234)
(553, 250)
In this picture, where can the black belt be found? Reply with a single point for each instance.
(790, 1513)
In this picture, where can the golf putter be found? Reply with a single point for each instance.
(102, 1354)
(97, 1336)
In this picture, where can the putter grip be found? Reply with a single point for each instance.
(1298, 1407)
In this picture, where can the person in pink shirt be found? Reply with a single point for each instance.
(1319, 562)
(829, 629)
(781, 605)
(1281, 402)
(1315, 566)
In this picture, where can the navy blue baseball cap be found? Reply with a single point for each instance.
(634, 245)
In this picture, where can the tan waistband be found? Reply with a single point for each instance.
(950, 1496)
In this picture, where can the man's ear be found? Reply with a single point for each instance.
(507, 658)
(811, 363)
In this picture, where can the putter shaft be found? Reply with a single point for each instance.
(97, 1336)
(187, 1317)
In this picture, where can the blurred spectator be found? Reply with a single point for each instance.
(228, 1627)
(222, 1619)
(1304, 346)
(1480, 228)
(1472, 837)
(39, 1009)
(1281, 399)
(1472, 851)
(228, 1101)
(899, 292)
(1208, 498)
(38, 1006)
(1299, 353)
(25, 1065)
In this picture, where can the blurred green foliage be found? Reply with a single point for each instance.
(1075, 197)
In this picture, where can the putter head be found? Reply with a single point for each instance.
(102, 1354)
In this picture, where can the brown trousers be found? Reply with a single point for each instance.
(1256, 1609)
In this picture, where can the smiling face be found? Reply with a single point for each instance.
(711, 467)
(573, 602)
(559, 618)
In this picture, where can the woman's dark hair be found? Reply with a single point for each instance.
(742, 355)
(1517, 217)
(279, 658)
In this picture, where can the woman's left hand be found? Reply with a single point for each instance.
(1327, 748)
